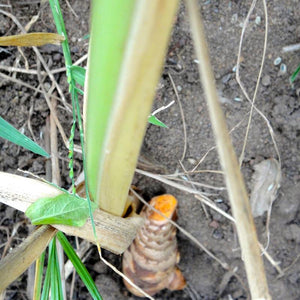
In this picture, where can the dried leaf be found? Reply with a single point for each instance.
(31, 39)
(266, 181)
(150, 262)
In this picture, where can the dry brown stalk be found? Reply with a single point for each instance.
(31, 39)
(17, 261)
(234, 181)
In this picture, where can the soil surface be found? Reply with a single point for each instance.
(277, 99)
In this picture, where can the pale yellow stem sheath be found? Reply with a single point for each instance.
(115, 234)
(140, 71)
(235, 184)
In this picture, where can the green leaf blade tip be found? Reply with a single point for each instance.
(10, 133)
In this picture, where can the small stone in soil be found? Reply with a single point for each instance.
(282, 69)
(100, 267)
(237, 99)
(214, 224)
(218, 234)
(277, 61)
(226, 78)
(179, 88)
(266, 80)
(57, 57)
(192, 161)
(258, 20)
(292, 232)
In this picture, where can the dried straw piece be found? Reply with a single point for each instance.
(150, 262)
(266, 181)
(31, 39)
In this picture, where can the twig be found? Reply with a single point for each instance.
(285, 270)
(55, 178)
(291, 48)
(234, 181)
(192, 173)
(257, 83)
(71, 9)
(194, 183)
(53, 150)
(52, 110)
(162, 108)
(34, 72)
(271, 260)
(17, 261)
(29, 122)
(184, 188)
(9, 240)
(259, 74)
(17, 81)
(214, 147)
(48, 149)
(21, 54)
(24, 57)
(193, 186)
(182, 117)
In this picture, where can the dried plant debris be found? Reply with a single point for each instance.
(150, 262)
(266, 181)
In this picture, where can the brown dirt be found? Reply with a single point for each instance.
(277, 99)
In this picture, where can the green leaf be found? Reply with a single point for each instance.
(53, 264)
(10, 133)
(47, 281)
(79, 91)
(64, 209)
(52, 279)
(295, 74)
(153, 120)
(79, 266)
(78, 74)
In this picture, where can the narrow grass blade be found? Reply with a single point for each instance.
(79, 266)
(295, 74)
(61, 30)
(78, 74)
(10, 133)
(59, 22)
(53, 264)
(39, 267)
(153, 120)
(46, 286)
